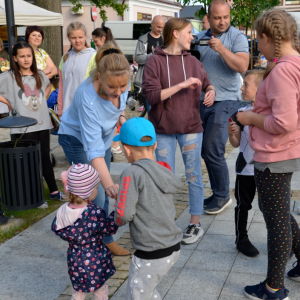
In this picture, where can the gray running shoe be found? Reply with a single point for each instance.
(192, 234)
(217, 205)
(44, 205)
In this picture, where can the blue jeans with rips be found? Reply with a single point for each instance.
(190, 146)
(75, 154)
(215, 123)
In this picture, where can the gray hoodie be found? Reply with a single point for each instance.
(146, 201)
(74, 71)
(141, 57)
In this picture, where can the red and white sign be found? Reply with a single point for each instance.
(94, 13)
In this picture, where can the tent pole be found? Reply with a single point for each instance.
(11, 29)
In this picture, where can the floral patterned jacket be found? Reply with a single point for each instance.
(89, 260)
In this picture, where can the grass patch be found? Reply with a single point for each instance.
(29, 217)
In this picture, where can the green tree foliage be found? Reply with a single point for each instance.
(102, 4)
(244, 12)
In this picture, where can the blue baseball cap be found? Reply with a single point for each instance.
(133, 130)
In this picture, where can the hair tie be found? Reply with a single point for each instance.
(275, 60)
(111, 50)
(105, 28)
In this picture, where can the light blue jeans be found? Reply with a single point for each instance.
(75, 154)
(165, 151)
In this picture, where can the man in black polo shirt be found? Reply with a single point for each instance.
(146, 46)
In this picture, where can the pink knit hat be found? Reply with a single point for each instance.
(82, 179)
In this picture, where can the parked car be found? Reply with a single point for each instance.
(127, 33)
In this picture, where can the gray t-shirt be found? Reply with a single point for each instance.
(284, 166)
(225, 81)
(30, 102)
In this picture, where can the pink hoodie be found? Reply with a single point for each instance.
(278, 96)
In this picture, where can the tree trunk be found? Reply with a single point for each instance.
(52, 34)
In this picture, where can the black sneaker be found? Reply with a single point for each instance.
(3, 219)
(58, 196)
(259, 291)
(294, 274)
(246, 247)
(208, 200)
(192, 234)
(217, 205)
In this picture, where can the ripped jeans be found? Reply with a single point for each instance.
(190, 146)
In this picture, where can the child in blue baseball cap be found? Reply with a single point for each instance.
(145, 200)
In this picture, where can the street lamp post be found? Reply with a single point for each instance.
(11, 30)
(11, 36)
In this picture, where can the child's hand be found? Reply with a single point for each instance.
(233, 128)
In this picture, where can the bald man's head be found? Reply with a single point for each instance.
(205, 23)
(219, 16)
(157, 26)
(217, 2)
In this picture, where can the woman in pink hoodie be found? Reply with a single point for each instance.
(275, 138)
(172, 83)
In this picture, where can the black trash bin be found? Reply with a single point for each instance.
(21, 181)
(20, 175)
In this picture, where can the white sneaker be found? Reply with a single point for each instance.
(117, 150)
(192, 234)
(44, 205)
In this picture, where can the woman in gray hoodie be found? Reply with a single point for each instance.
(74, 66)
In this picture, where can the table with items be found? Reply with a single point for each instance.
(4, 65)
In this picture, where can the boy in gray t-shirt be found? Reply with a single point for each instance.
(145, 200)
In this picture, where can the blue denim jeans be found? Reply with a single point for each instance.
(165, 151)
(215, 124)
(75, 154)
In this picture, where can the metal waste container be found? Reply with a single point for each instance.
(21, 181)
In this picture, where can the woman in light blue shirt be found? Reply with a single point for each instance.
(87, 127)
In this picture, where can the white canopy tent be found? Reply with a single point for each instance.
(27, 14)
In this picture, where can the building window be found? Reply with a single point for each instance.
(292, 2)
(144, 17)
(166, 18)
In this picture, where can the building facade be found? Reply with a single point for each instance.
(290, 5)
(145, 10)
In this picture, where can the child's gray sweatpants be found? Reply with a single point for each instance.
(145, 275)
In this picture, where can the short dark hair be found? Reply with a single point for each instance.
(216, 2)
(31, 29)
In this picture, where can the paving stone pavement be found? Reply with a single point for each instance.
(35, 268)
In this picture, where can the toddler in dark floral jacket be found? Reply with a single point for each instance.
(83, 224)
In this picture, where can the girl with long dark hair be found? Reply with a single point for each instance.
(23, 89)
